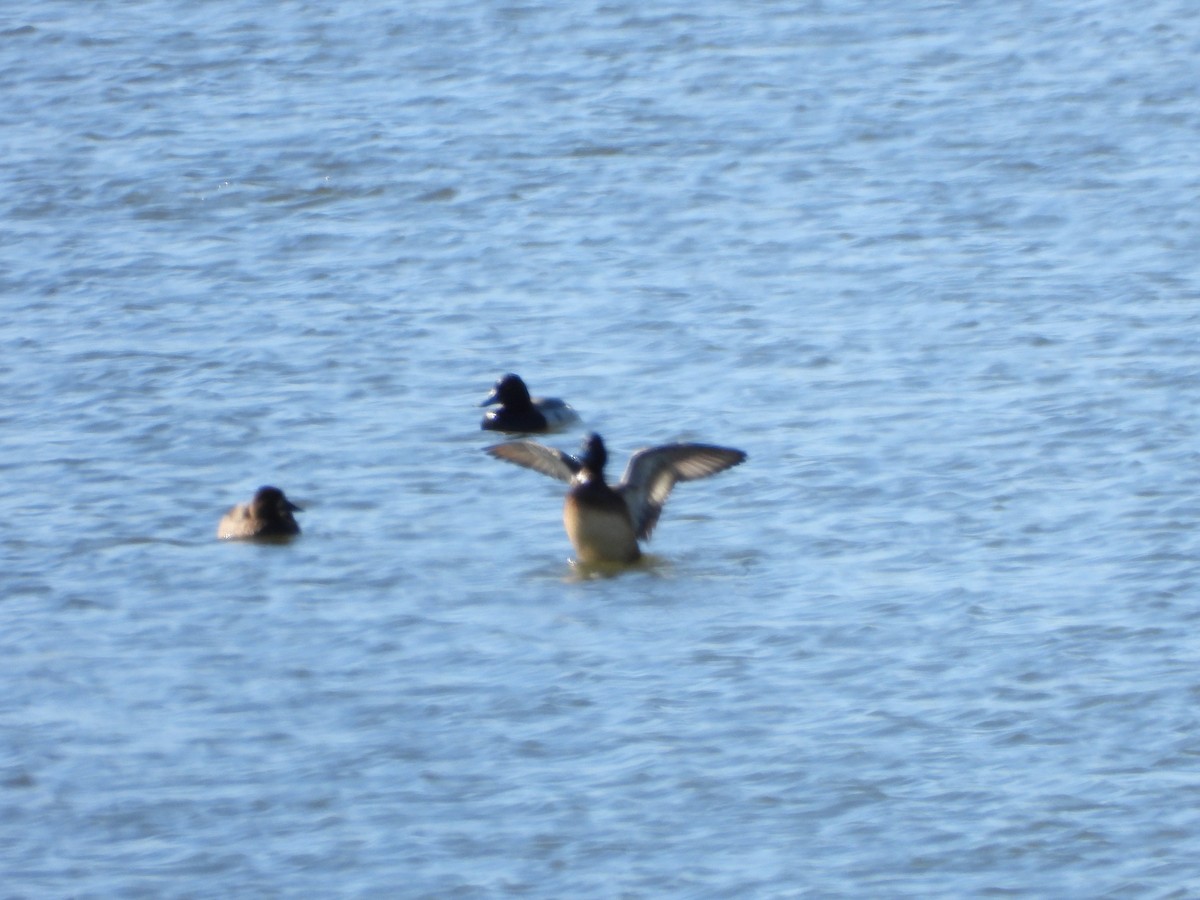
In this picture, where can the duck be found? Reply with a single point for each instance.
(519, 413)
(268, 516)
(605, 522)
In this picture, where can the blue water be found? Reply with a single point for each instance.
(933, 266)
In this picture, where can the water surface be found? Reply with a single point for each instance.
(932, 266)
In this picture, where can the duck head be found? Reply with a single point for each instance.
(508, 391)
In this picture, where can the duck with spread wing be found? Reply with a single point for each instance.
(605, 522)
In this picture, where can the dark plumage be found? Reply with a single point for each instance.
(267, 516)
(520, 413)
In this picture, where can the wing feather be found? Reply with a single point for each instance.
(538, 457)
(651, 474)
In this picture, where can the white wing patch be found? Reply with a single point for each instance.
(538, 457)
(652, 473)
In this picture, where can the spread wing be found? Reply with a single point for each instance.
(538, 457)
(652, 473)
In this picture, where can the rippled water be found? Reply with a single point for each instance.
(933, 266)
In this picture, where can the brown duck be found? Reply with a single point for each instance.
(606, 522)
(268, 516)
